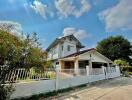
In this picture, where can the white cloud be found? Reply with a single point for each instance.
(78, 33)
(67, 8)
(41, 8)
(12, 27)
(118, 17)
(85, 7)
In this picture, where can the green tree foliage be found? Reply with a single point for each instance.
(18, 53)
(115, 47)
(122, 63)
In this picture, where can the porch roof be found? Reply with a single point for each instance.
(80, 53)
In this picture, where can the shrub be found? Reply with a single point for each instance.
(5, 92)
(130, 73)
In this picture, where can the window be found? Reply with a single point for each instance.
(68, 48)
(57, 63)
(70, 39)
(62, 47)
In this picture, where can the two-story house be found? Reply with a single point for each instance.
(65, 52)
(63, 47)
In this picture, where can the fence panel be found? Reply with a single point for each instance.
(95, 71)
(22, 74)
(66, 73)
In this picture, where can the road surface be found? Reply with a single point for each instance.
(114, 89)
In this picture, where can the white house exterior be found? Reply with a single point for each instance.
(66, 53)
(62, 47)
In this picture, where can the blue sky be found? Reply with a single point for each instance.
(89, 20)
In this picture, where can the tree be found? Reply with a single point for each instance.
(18, 53)
(115, 47)
(122, 63)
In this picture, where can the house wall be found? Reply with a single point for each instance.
(57, 52)
(94, 57)
(54, 52)
(73, 48)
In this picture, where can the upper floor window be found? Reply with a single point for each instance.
(70, 39)
(62, 47)
(68, 48)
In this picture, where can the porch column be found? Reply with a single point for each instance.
(76, 66)
(109, 68)
(108, 65)
(90, 64)
(61, 64)
(117, 70)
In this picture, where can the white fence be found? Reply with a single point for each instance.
(65, 78)
(20, 75)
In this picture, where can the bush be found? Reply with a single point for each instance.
(130, 73)
(5, 92)
(51, 75)
(125, 73)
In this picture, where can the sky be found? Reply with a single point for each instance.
(88, 20)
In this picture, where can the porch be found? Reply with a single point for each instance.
(76, 63)
(79, 67)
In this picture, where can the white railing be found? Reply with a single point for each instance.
(19, 75)
(110, 69)
(22, 74)
(74, 72)
(95, 71)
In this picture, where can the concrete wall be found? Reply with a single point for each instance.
(30, 88)
(43, 86)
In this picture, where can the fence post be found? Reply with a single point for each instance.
(104, 71)
(57, 78)
(87, 68)
(117, 70)
(88, 74)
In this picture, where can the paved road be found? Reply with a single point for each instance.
(115, 89)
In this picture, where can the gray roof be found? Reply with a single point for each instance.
(58, 40)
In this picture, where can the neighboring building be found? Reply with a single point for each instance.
(65, 52)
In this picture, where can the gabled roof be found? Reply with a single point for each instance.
(85, 51)
(58, 40)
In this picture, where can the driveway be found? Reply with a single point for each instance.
(114, 89)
